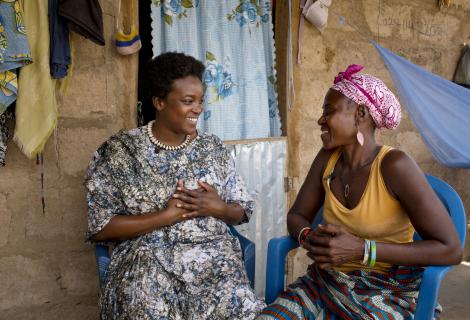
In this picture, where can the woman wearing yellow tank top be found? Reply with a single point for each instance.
(366, 265)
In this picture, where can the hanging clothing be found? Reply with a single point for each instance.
(189, 270)
(36, 106)
(462, 74)
(85, 17)
(439, 108)
(60, 55)
(127, 42)
(234, 38)
(4, 134)
(14, 50)
(8, 89)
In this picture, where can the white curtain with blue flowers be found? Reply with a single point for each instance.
(234, 38)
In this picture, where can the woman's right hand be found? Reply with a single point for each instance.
(124, 227)
(174, 211)
(331, 245)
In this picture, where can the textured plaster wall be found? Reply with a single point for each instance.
(415, 29)
(46, 269)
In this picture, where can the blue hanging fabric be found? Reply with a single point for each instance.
(439, 108)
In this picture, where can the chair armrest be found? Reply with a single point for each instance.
(429, 290)
(102, 260)
(278, 248)
(249, 255)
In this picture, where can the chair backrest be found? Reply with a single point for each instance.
(452, 202)
(433, 275)
(249, 255)
(102, 255)
(102, 260)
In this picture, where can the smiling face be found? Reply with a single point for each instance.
(179, 111)
(338, 121)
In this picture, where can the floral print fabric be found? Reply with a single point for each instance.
(251, 12)
(175, 8)
(14, 50)
(190, 270)
(235, 41)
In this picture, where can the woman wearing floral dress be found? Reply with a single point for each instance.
(166, 193)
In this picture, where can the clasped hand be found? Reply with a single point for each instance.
(330, 245)
(203, 201)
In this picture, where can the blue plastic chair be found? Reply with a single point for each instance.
(278, 249)
(248, 249)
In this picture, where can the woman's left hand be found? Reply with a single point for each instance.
(204, 201)
(330, 245)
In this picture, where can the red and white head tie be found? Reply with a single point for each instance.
(371, 92)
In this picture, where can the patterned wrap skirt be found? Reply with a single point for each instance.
(357, 295)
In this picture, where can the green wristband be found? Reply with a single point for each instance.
(373, 253)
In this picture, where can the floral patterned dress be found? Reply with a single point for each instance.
(189, 270)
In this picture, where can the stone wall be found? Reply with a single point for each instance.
(415, 29)
(46, 269)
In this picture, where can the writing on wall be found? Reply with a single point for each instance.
(421, 26)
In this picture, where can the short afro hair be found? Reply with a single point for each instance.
(161, 71)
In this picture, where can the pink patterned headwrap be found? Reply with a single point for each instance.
(371, 92)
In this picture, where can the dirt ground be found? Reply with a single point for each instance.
(454, 295)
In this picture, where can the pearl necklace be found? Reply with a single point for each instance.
(159, 144)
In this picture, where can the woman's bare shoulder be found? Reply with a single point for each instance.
(399, 169)
(397, 161)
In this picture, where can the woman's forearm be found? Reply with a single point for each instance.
(419, 253)
(124, 227)
(234, 214)
(295, 223)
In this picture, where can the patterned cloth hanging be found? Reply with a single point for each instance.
(14, 50)
(4, 134)
(439, 108)
(235, 40)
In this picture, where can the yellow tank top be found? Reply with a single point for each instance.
(378, 215)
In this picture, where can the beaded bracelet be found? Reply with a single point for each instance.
(373, 253)
(303, 235)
